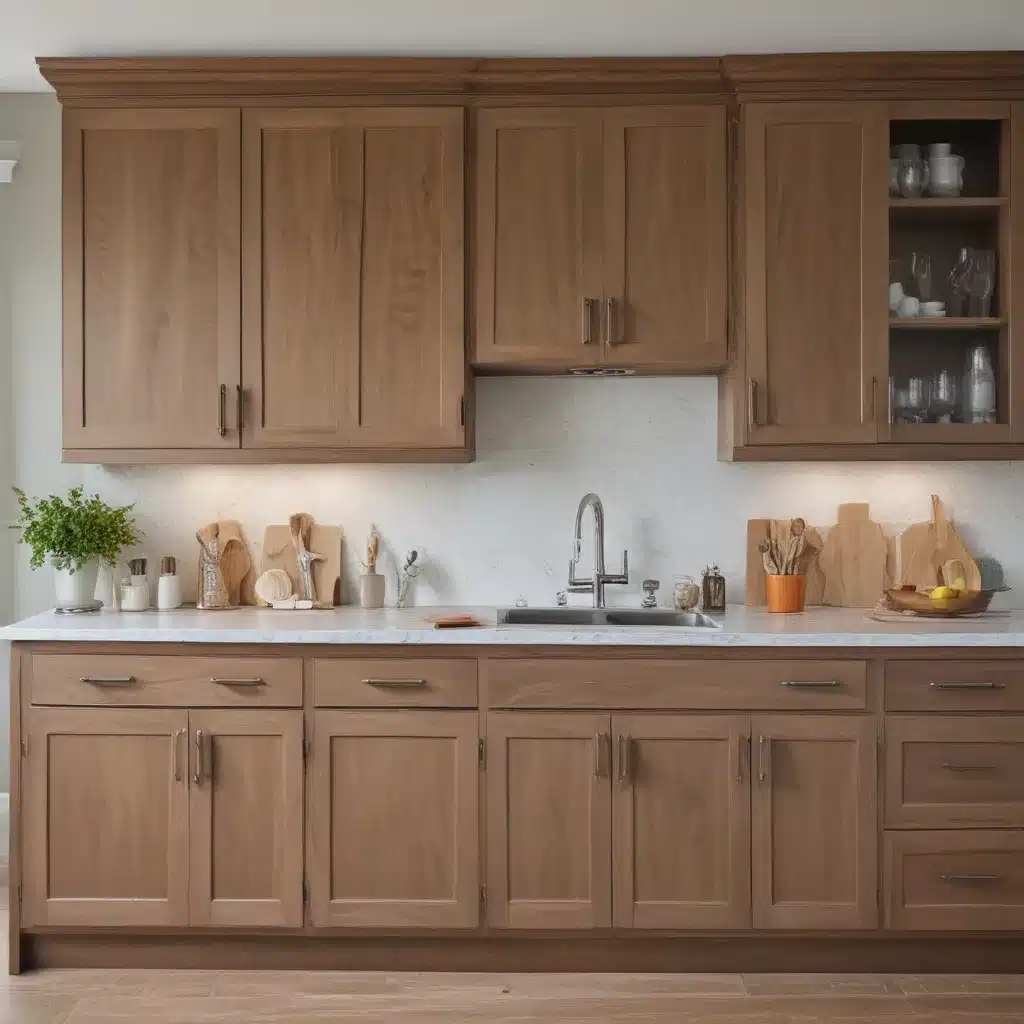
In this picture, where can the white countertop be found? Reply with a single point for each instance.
(740, 627)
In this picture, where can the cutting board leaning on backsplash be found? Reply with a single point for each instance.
(279, 553)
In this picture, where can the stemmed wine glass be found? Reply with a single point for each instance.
(981, 282)
(921, 269)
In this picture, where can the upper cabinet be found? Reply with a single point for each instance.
(601, 238)
(352, 279)
(151, 278)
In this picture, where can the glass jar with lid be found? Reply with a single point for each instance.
(685, 593)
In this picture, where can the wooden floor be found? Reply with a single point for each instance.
(290, 997)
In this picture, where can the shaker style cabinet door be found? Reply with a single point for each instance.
(151, 278)
(393, 838)
(353, 266)
(681, 821)
(105, 807)
(814, 246)
(549, 820)
(814, 822)
(665, 224)
(245, 818)
(537, 261)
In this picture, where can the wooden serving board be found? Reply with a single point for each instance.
(854, 559)
(279, 553)
(235, 562)
(924, 548)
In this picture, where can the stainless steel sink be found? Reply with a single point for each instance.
(603, 617)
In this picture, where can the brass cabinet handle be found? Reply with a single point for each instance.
(969, 877)
(624, 751)
(752, 403)
(602, 754)
(763, 744)
(612, 322)
(197, 775)
(109, 680)
(874, 393)
(240, 406)
(178, 737)
(967, 686)
(222, 411)
(968, 767)
(809, 684)
(394, 682)
(237, 682)
(587, 325)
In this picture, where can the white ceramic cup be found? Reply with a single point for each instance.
(910, 306)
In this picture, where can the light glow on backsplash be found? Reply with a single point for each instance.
(501, 527)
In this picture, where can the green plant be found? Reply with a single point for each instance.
(75, 531)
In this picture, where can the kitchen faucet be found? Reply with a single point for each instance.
(596, 584)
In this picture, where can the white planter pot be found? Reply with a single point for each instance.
(76, 589)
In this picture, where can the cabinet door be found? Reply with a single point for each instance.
(353, 264)
(151, 278)
(815, 271)
(105, 807)
(681, 821)
(665, 237)
(394, 838)
(815, 822)
(245, 818)
(538, 237)
(548, 820)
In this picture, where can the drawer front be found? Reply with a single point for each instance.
(948, 772)
(664, 684)
(954, 881)
(943, 685)
(394, 682)
(165, 680)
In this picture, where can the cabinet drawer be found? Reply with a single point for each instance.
(394, 682)
(943, 685)
(954, 881)
(698, 685)
(165, 680)
(942, 771)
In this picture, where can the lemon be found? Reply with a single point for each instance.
(942, 593)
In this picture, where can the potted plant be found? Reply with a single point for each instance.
(75, 535)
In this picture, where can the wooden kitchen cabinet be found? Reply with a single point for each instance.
(681, 821)
(549, 820)
(245, 818)
(814, 260)
(352, 280)
(393, 838)
(151, 278)
(814, 822)
(105, 815)
(601, 238)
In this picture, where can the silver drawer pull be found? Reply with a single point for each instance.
(971, 877)
(109, 680)
(809, 683)
(968, 767)
(237, 682)
(394, 682)
(967, 686)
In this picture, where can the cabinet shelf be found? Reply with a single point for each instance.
(947, 323)
(948, 203)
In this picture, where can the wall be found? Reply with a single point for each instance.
(497, 528)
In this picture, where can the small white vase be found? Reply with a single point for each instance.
(371, 590)
(76, 589)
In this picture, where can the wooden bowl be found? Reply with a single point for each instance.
(971, 603)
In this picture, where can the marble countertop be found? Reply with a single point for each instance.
(739, 627)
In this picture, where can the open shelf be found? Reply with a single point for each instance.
(947, 323)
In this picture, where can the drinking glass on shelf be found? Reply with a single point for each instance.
(918, 400)
(921, 270)
(982, 282)
(958, 280)
(945, 397)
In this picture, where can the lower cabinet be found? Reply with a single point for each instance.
(394, 834)
(162, 818)
(681, 821)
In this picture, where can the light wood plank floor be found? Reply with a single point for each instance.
(295, 997)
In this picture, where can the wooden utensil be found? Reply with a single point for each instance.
(235, 561)
(854, 559)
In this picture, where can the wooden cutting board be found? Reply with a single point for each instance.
(279, 553)
(949, 546)
(778, 529)
(925, 547)
(235, 562)
(854, 559)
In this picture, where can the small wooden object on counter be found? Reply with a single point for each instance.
(785, 593)
(212, 592)
(854, 560)
(279, 553)
(456, 622)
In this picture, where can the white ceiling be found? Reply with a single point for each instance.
(30, 28)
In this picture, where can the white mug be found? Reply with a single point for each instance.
(945, 171)
(910, 306)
